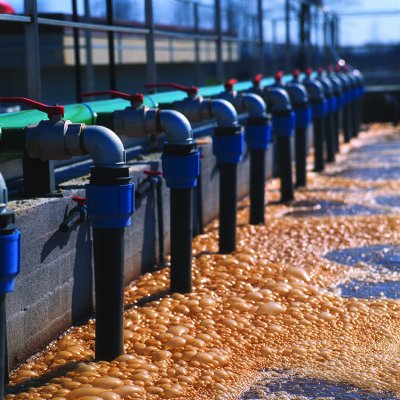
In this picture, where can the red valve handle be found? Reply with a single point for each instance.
(279, 76)
(329, 69)
(296, 73)
(190, 90)
(309, 71)
(81, 201)
(51, 111)
(133, 98)
(320, 70)
(152, 173)
(229, 84)
(257, 79)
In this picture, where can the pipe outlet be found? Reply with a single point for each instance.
(176, 127)
(314, 89)
(104, 146)
(297, 93)
(277, 99)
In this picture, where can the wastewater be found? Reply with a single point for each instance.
(272, 320)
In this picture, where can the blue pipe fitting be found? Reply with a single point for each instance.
(258, 136)
(319, 109)
(283, 125)
(10, 260)
(303, 117)
(257, 133)
(110, 206)
(110, 197)
(228, 145)
(181, 171)
(333, 104)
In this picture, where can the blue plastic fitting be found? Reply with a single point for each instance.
(283, 125)
(10, 260)
(303, 117)
(258, 136)
(333, 104)
(341, 101)
(228, 149)
(110, 206)
(320, 109)
(181, 171)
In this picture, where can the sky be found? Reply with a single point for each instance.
(354, 30)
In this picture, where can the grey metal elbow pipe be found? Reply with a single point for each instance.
(223, 112)
(176, 127)
(278, 99)
(254, 105)
(103, 145)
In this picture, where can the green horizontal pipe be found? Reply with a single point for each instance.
(12, 140)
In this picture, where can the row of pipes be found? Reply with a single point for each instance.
(293, 102)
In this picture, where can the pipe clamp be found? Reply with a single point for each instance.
(228, 145)
(283, 125)
(303, 117)
(319, 109)
(258, 136)
(181, 171)
(10, 260)
(110, 206)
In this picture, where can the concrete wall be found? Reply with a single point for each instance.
(55, 287)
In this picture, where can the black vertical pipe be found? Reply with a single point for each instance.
(77, 53)
(160, 220)
(181, 240)
(319, 133)
(330, 137)
(108, 246)
(3, 338)
(6, 366)
(283, 144)
(111, 46)
(354, 117)
(227, 207)
(199, 202)
(347, 123)
(336, 125)
(301, 156)
(257, 184)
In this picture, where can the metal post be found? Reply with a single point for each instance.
(150, 47)
(196, 43)
(111, 46)
(287, 34)
(218, 42)
(260, 21)
(305, 20)
(38, 175)
(89, 76)
(325, 35)
(77, 52)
